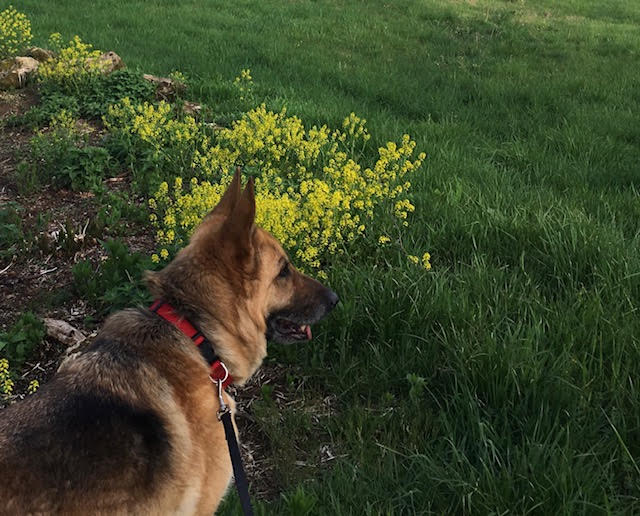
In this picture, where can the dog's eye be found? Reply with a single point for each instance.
(284, 272)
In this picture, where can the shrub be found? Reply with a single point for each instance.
(52, 102)
(15, 32)
(63, 156)
(101, 91)
(312, 191)
(18, 343)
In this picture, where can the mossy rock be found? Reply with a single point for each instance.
(16, 71)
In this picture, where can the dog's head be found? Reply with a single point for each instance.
(244, 271)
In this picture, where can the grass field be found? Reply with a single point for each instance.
(521, 345)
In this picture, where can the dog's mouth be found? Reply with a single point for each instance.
(286, 330)
(293, 323)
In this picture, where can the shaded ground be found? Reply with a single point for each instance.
(55, 222)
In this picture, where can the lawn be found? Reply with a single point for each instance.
(504, 380)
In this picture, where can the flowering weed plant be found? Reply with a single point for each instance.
(73, 65)
(6, 383)
(314, 190)
(15, 32)
(151, 141)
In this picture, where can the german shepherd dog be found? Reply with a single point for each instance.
(129, 424)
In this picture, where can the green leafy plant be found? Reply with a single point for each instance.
(26, 178)
(114, 208)
(116, 282)
(16, 236)
(20, 340)
(101, 91)
(417, 385)
(12, 237)
(299, 502)
(90, 99)
(63, 156)
(52, 102)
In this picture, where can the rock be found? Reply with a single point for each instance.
(191, 108)
(108, 62)
(15, 72)
(40, 54)
(166, 88)
(63, 332)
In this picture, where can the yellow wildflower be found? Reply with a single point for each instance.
(6, 384)
(313, 192)
(426, 261)
(15, 32)
(33, 386)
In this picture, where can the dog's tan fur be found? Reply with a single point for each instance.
(129, 424)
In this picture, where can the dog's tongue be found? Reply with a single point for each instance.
(307, 329)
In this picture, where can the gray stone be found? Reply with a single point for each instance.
(15, 72)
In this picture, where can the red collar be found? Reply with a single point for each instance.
(218, 370)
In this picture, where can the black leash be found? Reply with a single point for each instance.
(236, 460)
(219, 374)
(224, 415)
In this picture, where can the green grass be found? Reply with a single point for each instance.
(526, 333)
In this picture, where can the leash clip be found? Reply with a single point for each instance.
(224, 408)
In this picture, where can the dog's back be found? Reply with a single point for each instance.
(69, 447)
(109, 433)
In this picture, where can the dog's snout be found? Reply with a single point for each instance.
(332, 299)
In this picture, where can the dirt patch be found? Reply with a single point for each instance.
(17, 102)
(58, 227)
(263, 420)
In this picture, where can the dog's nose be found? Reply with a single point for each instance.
(333, 299)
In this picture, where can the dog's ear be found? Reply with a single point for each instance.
(240, 224)
(230, 197)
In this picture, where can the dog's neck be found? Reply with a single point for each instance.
(237, 338)
(242, 353)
